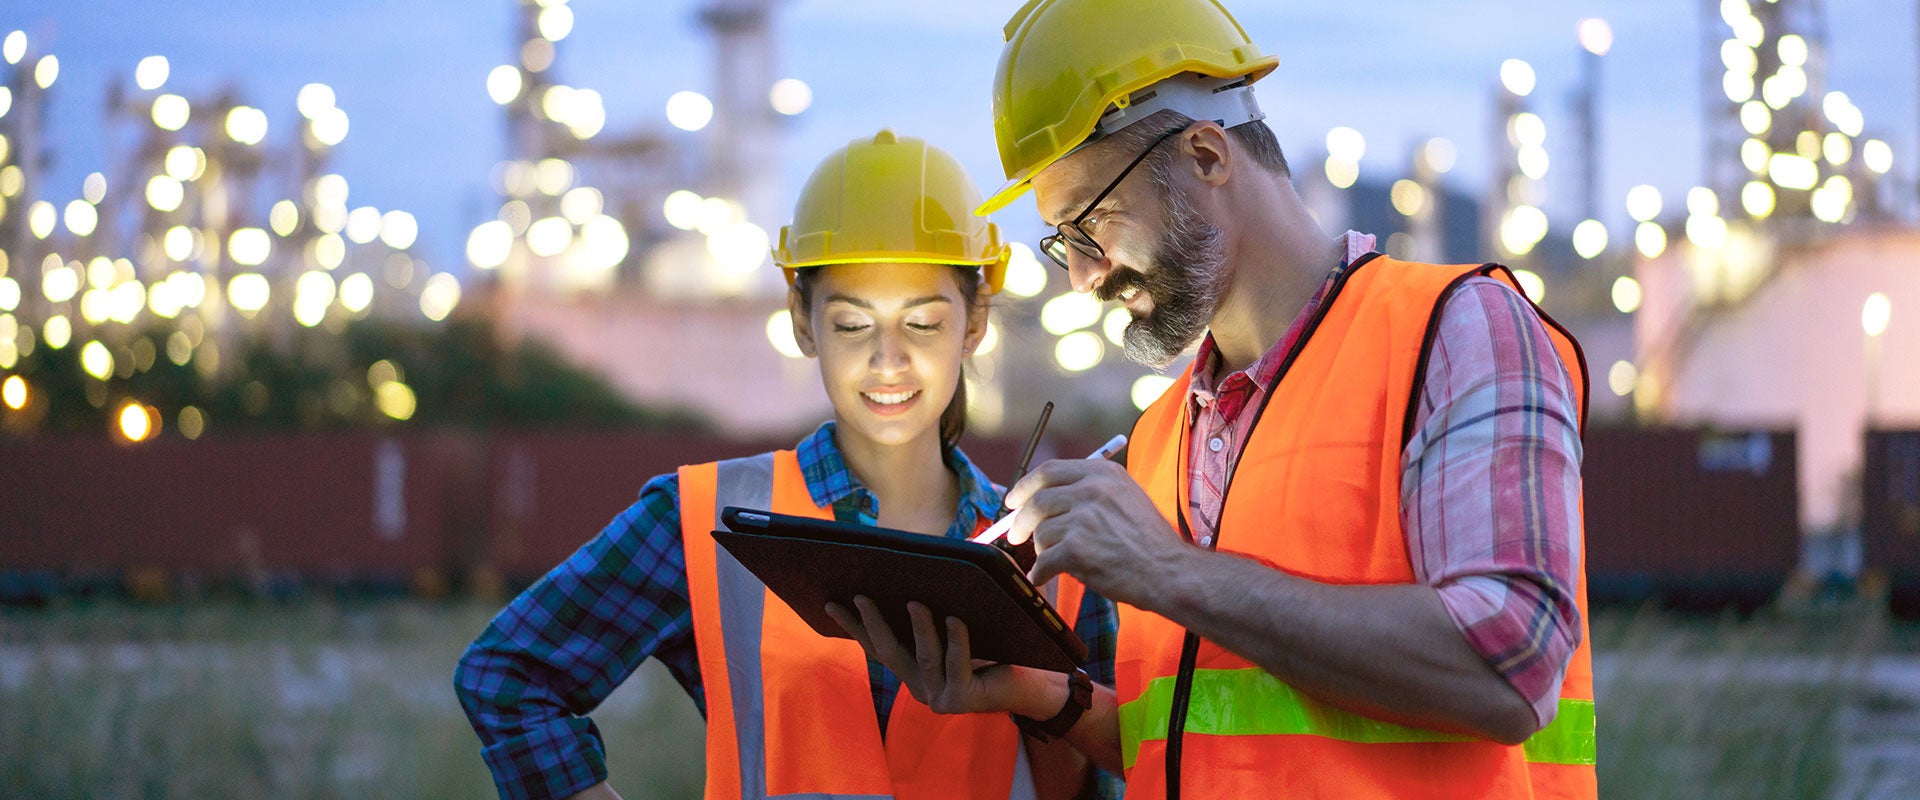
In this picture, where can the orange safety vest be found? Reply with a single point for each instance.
(1316, 493)
(790, 712)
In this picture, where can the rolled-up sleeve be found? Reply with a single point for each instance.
(1490, 488)
(570, 639)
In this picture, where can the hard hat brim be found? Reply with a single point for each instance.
(993, 268)
(885, 259)
(1019, 183)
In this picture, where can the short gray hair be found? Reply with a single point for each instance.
(1255, 137)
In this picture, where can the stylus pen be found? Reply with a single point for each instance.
(1026, 456)
(999, 529)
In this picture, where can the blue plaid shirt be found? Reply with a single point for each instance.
(566, 642)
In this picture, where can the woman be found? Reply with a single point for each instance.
(888, 268)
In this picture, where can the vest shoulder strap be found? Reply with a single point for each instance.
(1567, 347)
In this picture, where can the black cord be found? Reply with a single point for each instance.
(1177, 719)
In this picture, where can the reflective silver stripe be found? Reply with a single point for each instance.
(748, 483)
(1023, 788)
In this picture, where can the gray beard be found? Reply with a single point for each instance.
(1187, 277)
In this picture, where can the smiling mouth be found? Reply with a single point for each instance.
(1137, 302)
(890, 398)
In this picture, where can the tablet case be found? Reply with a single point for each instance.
(811, 562)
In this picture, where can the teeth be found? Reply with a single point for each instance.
(890, 398)
(1128, 293)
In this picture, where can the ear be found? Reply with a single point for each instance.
(802, 324)
(1210, 157)
(976, 325)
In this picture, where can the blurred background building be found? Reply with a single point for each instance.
(179, 259)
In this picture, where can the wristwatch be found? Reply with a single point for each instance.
(1079, 699)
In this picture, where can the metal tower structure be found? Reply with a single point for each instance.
(718, 175)
(744, 146)
(1782, 148)
(1513, 215)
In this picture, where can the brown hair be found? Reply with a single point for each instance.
(953, 421)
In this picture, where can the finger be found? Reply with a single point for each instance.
(1050, 563)
(1027, 519)
(851, 623)
(1057, 472)
(1042, 506)
(959, 653)
(1017, 534)
(886, 647)
(926, 640)
(1053, 532)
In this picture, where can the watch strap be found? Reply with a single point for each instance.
(1079, 699)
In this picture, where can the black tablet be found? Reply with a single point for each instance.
(810, 562)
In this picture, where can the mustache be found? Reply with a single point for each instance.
(1118, 281)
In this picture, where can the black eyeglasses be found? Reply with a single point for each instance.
(1069, 233)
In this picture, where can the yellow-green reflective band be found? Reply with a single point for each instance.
(1251, 702)
(1568, 739)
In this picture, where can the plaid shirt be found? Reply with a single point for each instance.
(1489, 483)
(566, 642)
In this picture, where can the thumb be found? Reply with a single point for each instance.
(1046, 566)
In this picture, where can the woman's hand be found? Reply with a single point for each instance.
(950, 680)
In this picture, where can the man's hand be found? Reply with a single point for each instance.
(949, 680)
(1088, 518)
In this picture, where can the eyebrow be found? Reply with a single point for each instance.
(837, 297)
(1081, 203)
(1067, 210)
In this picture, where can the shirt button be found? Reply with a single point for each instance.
(1215, 444)
(1207, 541)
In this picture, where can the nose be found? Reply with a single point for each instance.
(1085, 272)
(889, 354)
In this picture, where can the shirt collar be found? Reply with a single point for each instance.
(829, 480)
(980, 493)
(1204, 384)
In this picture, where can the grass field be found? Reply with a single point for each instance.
(1760, 708)
(320, 700)
(311, 701)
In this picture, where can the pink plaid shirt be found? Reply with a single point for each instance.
(1489, 482)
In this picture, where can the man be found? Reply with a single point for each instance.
(1347, 541)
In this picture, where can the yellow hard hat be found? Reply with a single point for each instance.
(891, 199)
(1067, 61)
